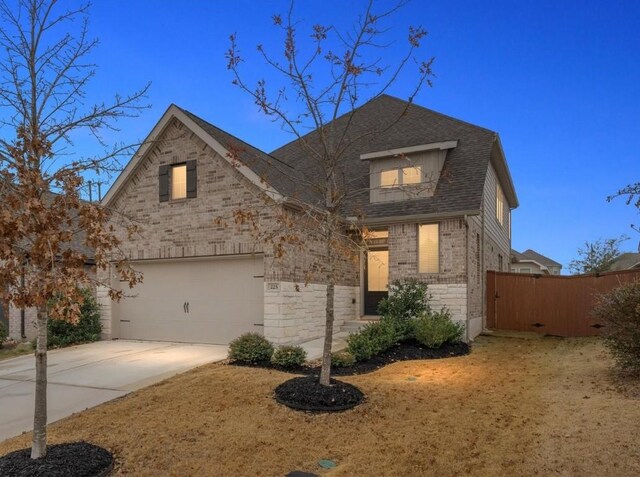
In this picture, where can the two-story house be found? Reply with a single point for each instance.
(435, 192)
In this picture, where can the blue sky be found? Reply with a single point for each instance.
(559, 81)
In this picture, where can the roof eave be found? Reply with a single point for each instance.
(502, 169)
(174, 111)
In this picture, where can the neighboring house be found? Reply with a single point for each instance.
(445, 220)
(531, 261)
(21, 322)
(625, 261)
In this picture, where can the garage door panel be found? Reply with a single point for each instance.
(224, 297)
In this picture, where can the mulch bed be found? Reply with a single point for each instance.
(307, 394)
(405, 351)
(76, 459)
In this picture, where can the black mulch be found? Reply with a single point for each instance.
(307, 394)
(405, 351)
(76, 459)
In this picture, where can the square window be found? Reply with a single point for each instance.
(179, 182)
(411, 175)
(389, 178)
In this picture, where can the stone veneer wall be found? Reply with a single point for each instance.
(452, 296)
(294, 312)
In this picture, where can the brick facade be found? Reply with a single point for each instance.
(188, 228)
(293, 298)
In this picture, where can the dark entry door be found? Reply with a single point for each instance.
(376, 279)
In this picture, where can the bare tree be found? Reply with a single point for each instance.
(44, 73)
(318, 87)
(631, 193)
(597, 256)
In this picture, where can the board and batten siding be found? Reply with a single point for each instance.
(497, 240)
(430, 162)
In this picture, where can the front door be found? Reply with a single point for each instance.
(376, 279)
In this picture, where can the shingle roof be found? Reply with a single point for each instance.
(273, 171)
(626, 261)
(533, 255)
(463, 175)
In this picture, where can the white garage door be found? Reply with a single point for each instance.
(194, 301)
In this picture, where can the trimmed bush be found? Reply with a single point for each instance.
(3, 333)
(619, 310)
(435, 329)
(342, 359)
(405, 328)
(86, 330)
(407, 299)
(371, 340)
(250, 348)
(289, 356)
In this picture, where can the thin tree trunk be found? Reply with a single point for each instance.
(39, 445)
(325, 372)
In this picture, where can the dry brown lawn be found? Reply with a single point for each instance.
(512, 407)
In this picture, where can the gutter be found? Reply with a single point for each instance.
(403, 219)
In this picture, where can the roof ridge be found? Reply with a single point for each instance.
(433, 111)
(395, 98)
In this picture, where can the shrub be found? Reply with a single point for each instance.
(250, 348)
(289, 356)
(619, 311)
(407, 299)
(404, 327)
(3, 333)
(85, 330)
(342, 359)
(371, 340)
(435, 329)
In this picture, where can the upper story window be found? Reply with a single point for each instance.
(428, 248)
(178, 181)
(406, 173)
(399, 177)
(500, 201)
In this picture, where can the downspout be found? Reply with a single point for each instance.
(483, 273)
(466, 247)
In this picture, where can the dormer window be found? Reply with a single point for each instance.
(401, 177)
(406, 173)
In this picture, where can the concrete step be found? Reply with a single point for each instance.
(355, 325)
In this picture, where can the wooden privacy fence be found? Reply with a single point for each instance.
(549, 304)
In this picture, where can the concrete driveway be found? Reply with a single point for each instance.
(84, 376)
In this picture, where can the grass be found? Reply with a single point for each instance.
(516, 407)
(13, 350)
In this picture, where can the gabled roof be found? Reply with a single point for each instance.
(289, 173)
(532, 255)
(626, 261)
(258, 167)
(462, 179)
(271, 170)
